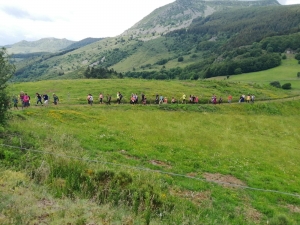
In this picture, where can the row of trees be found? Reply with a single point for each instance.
(247, 65)
(206, 69)
(101, 73)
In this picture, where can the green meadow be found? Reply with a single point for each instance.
(286, 73)
(153, 164)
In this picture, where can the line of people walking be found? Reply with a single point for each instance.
(160, 99)
(25, 100)
(43, 99)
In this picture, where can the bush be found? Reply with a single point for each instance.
(287, 86)
(283, 57)
(297, 56)
(238, 71)
(162, 61)
(180, 59)
(275, 84)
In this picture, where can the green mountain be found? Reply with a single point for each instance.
(223, 43)
(181, 13)
(42, 45)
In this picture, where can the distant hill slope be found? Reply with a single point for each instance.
(42, 45)
(82, 43)
(181, 13)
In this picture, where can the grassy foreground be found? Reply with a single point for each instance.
(253, 145)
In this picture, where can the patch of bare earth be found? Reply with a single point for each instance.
(225, 180)
(293, 208)
(160, 163)
(250, 214)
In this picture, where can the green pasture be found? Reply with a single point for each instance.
(285, 73)
(180, 154)
(254, 144)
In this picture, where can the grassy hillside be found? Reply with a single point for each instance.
(286, 73)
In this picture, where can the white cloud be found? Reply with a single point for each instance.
(73, 19)
(289, 2)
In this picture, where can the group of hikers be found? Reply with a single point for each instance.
(43, 99)
(25, 99)
(243, 98)
(160, 99)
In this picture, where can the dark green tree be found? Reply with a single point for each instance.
(6, 72)
(287, 86)
(275, 84)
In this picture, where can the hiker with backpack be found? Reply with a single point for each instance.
(26, 100)
(15, 101)
(119, 97)
(90, 99)
(55, 99)
(39, 99)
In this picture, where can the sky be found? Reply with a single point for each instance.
(75, 20)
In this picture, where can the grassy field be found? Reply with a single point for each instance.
(153, 164)
(286, 73)
(171, 88)
(248, 145)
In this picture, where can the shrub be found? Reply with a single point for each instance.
(238, 71)
(298, 74)
(275, 84)
(297, 56)
(287, 86)
(162, 61)
(283, 57)
(180, 59)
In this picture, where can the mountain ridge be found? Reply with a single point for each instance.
(42, 45)
(183, 12)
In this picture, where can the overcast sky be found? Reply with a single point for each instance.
(73, 19)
